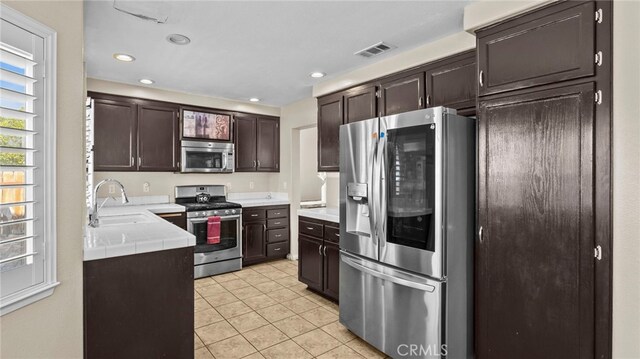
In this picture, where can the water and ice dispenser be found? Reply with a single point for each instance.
(357, 208)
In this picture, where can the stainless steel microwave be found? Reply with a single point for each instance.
(207, 157)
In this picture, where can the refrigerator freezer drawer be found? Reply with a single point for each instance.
(398, 312)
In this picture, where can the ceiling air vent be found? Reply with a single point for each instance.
(376, 49)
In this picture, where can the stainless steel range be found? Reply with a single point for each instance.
(203, 202)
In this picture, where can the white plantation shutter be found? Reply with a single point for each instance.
(27, 161)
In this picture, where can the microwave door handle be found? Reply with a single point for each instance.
(226, 161)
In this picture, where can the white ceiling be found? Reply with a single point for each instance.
(264, 49)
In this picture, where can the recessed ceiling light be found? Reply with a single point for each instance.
(254, 99)
(178, 39)
(124, 57)
(146, 81)
(317, 75)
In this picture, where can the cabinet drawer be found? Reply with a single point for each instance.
(253, 214)
(278, 223)
(277, 235)
(277, 213)
(332, 234)
(278, 249)
(312, 229)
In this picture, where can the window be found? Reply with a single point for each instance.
(27, 161)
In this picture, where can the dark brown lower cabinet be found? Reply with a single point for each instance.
(310, 261)
(178, 218)
(139, 306)
(265, 233)
(254, 241)
(331, 269)
(535, 260)
(319, 256)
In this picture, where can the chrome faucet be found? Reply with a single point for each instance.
(94, 221)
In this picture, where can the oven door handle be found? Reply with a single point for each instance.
(222, 218)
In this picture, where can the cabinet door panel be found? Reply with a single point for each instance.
(360, 104)
(253, 241)
(268, 142)
(158, 134)
(331, 276)
(452, 82)
(310, 261)
(330, 118)
(245, 143)
(114, 135)
(541, 48)
(535, 265)
(402, 94)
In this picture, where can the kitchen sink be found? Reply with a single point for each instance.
(121, 219)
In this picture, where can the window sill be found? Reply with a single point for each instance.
(26, 297)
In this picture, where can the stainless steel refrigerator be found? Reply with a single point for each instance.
(407, 204)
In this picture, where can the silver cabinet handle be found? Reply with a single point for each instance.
(277, 249)
(310, 228)
(320, 250)
(481, 78)
(254, 163)
(324, 251)
(337, 234)
(254, 215)
(278, 235)
(139, 161)
(428, 100)
(133, 160)
(420, 101)
(258, 163)
(480, 231)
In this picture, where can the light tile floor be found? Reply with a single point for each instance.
(263, 311)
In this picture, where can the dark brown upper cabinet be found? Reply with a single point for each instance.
(158, 136)
(245, 142)
(330, 118)
(268, 135)
(555, 44)
(135, 135)
(257, 143)
(360, 103)
(402, 93)
(115, 135)
(451, 82)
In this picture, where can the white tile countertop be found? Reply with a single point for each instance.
(329, 214)
(146, 232)
(259, 199)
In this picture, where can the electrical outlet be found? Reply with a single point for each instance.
(112, 188)
(146, 187)
(251, 184)
(228, 186)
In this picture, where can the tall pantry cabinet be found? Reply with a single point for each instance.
(543, 254)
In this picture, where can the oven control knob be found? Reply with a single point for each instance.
(226, 212)
(203, 213)
(233, 211)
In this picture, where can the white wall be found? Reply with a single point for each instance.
(626, 179)
(163, 183)
(52, 327)
(310, 183)
(293, 117)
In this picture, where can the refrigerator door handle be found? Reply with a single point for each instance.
(380, 199)
(372, 193)
(400, 278)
